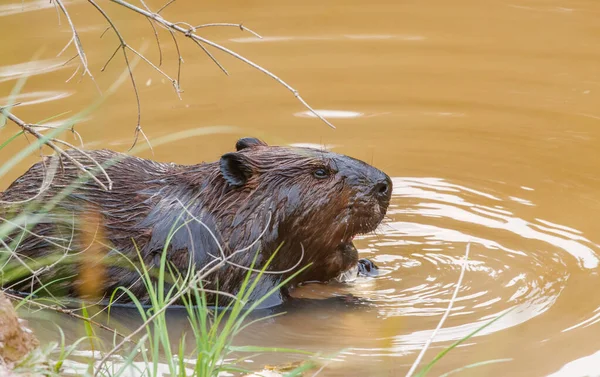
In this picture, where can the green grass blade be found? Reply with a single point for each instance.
(428, 367)
(10, 139)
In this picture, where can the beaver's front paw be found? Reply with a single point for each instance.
(367, 267)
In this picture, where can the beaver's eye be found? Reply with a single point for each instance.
(321, 173)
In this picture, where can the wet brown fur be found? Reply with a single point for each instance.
(258, 188)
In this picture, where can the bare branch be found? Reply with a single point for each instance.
(89, 157)
(31, 130)
(72, 129)
(189, 33)
(181, 27)
(123, 46)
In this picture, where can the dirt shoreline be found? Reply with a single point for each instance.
(16, 340)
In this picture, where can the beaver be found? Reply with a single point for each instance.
(306, 205)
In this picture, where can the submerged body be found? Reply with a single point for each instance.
(307, 204)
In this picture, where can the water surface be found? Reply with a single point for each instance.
(484, 112)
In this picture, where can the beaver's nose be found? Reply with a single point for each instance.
(383, 188)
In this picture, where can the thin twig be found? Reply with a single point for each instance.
(70, 60)
(86, 154)
(446, 313)
(164, 6)
(155, 33)
(72, 129)
(123, 46)
(179, 57)
(211, 56)
(174, 82)
(104, 32)
(160, 54)
(31, 130)
(44, 238)
(57, 13)
(66, 46)
(110, 59)
(78, 45)
(241, 26)
(74, 73)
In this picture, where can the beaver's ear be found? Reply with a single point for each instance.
(249, 142)
(235, 168)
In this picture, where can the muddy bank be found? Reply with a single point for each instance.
(16, 340)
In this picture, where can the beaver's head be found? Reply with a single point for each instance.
(318, 199)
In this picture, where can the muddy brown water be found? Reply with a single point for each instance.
(486, 113)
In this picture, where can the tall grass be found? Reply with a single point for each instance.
(213, 329)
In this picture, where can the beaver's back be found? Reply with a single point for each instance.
(303, 204)
(138, 185)
(125, 171)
